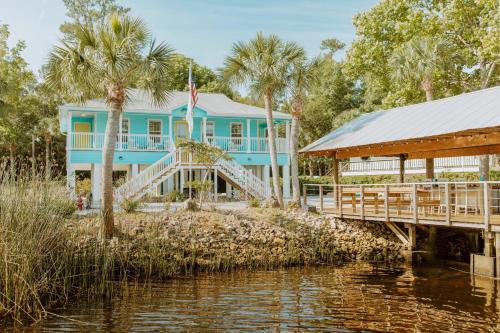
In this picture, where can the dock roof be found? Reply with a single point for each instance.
(466, 124)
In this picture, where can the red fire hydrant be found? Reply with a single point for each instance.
(79, 203)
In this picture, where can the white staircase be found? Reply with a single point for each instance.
(245, 179)
(151, 177)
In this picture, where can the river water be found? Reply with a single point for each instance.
(353, 297)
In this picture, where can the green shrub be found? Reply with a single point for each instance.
(254, 202)
(175, 196)
(83, 187)
(64, 207)
(130, 205)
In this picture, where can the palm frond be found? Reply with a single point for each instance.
(119, 54)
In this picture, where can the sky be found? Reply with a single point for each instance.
(200, 29)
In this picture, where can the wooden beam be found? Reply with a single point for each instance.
(429, 168)
(471, 151)
(398, 232)
(402, 159)
(425, 145)
(423, 228)
(412, 236)
(336, 180)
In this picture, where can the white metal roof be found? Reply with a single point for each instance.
(474, 110)
(214, 104)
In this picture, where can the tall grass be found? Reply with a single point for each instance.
(40, 261)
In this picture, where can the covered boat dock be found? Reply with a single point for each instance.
(463, 125)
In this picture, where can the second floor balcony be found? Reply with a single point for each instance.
(146, 142)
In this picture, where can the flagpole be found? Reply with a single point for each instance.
(189, 133)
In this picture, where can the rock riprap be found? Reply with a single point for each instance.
(170, 243)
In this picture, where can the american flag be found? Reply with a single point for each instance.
(194, 94)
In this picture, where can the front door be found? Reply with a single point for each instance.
(181, 130)
(82, 135)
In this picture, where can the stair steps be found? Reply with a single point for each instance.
(151, 177)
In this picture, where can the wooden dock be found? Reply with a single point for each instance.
(447, 204)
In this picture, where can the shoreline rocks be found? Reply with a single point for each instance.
(185, 241)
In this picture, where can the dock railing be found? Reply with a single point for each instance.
(467, 204)
(391, 166)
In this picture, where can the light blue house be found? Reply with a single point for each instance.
(147, 138)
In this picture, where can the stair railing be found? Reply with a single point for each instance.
(147, 176)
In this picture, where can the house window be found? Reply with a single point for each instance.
(125, 126)
(125, 129)
(210, 129)
(154, 130)
(236, 133)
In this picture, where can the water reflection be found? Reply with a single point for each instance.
(344, 299)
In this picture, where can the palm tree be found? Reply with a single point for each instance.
(263, 63)
(301, 78)
(107, 61)
(419, 60)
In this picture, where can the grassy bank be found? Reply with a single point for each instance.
(48, 256)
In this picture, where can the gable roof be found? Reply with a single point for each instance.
(214, 103)
(466, 112)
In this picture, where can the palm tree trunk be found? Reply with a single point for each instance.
(429, 95)
(484, 167)
(108, 153)
(484, 160)
(47, 158)
(272, 150)
(294, 158)
(428, 88)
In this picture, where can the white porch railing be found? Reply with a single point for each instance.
(373, 167)
(145, 142)
(129, 142)
(245, 145)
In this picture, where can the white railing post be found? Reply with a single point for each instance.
(170, 129)
(486, 205)
(415, 203)
(248, 135)
(204, 129)
(447, 194)
(386, 202)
